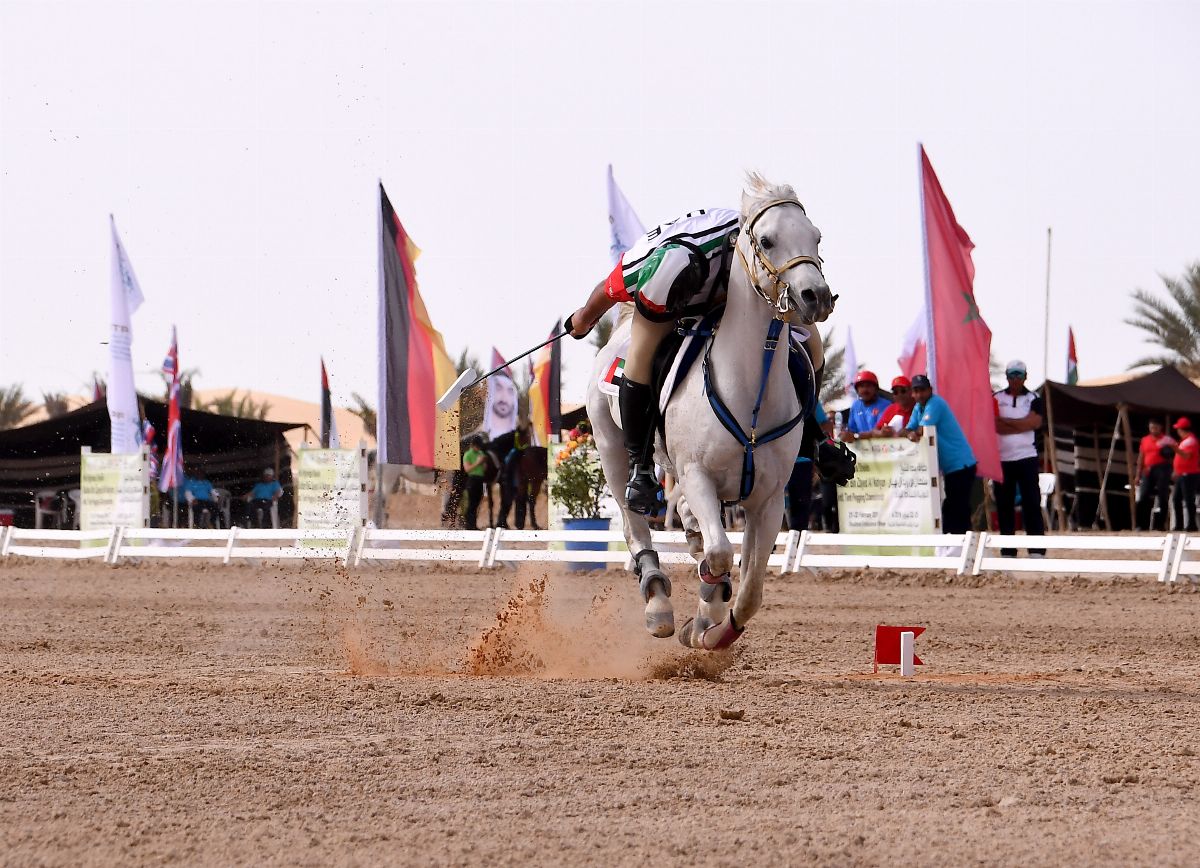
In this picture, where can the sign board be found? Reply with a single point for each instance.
(895, 488)
(114, 490)
(332, 489)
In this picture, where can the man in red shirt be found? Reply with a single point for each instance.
(1154, 478)
(900, 409)
(1187, 475)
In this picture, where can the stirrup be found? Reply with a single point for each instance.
(641, 492)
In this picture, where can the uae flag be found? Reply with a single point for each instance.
(960, 342)
(1072, 359)
(414, 368)
(329, 432)
(545, 408)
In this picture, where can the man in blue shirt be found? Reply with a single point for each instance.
(956, 461)
(198, 492)
(867, 407)
(264, 493)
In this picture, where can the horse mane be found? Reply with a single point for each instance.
(758, 189)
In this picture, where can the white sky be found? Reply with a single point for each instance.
(238, 145)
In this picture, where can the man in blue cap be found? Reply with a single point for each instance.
(956, 461)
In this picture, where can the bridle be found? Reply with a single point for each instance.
(782, 300)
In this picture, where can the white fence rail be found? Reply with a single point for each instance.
(1165, 556)
(1158, 564)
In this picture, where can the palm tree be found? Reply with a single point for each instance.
(186, 378)
(365, 412)
(833, 384)
(55, 403)
(1173, 323)
(14, 408)
(244, 407)
(471, 404)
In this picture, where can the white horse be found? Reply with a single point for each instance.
(775, 274)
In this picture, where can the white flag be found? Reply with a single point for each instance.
(851, 365)
(623, 224)
(125, 299)
(500, 410)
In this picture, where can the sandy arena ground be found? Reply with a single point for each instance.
(305, 715)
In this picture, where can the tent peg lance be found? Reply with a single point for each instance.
(1130, 464)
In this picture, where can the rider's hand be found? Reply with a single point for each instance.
(575, 327)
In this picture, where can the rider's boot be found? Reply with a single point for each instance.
(637, 423)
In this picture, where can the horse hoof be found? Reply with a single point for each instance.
(687, 634)
(660, 625)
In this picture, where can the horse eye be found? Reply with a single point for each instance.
(766, 243)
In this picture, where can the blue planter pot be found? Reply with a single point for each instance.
(586, 524)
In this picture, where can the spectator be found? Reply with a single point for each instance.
(1187, 475)
(262, 497)
(800, 485)
(866, 409)
(201, 499)
(1153, 477)
(1018, 416)
(474, 463)
(956, 461)
(895, 417)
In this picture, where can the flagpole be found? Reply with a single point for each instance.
(930, 337)
(1046, 319)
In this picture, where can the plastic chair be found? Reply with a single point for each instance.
(76, 497)
(1046, 485)
(224, 499)
(43, 505)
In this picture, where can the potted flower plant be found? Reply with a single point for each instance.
(579, 487)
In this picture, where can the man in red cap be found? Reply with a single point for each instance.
(895, 417)
(1153, 477)
(1186, 468)
(866, 409)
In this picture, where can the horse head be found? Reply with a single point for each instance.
(777, 246)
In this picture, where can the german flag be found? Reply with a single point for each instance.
(414, 368)
(545, 401)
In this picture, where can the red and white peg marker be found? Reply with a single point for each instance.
(894, 647)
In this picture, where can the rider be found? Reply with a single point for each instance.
(676, 269)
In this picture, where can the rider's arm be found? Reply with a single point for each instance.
(595, 307)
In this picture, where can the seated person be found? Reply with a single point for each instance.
(198, 492)
(264, 493)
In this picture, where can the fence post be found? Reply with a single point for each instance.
(1164, 566)
(5, 532)
(968, 538)
(490, 538)
(229, 546)
(1177, 561)
(362, 541)
(803, 544)
(114, 540)
(980, 546)
(789, 550)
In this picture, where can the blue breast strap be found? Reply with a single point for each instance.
(750, 441)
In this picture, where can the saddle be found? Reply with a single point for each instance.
(687, 345)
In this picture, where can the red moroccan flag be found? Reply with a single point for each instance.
(960, 341)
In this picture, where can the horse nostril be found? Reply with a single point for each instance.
(808, 297)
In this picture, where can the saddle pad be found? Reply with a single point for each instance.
(610, 381)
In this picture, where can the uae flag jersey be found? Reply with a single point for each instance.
(648, 273)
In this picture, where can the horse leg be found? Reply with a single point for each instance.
(711, 626)
(652, 581)
(691, 530)
(762, 528)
